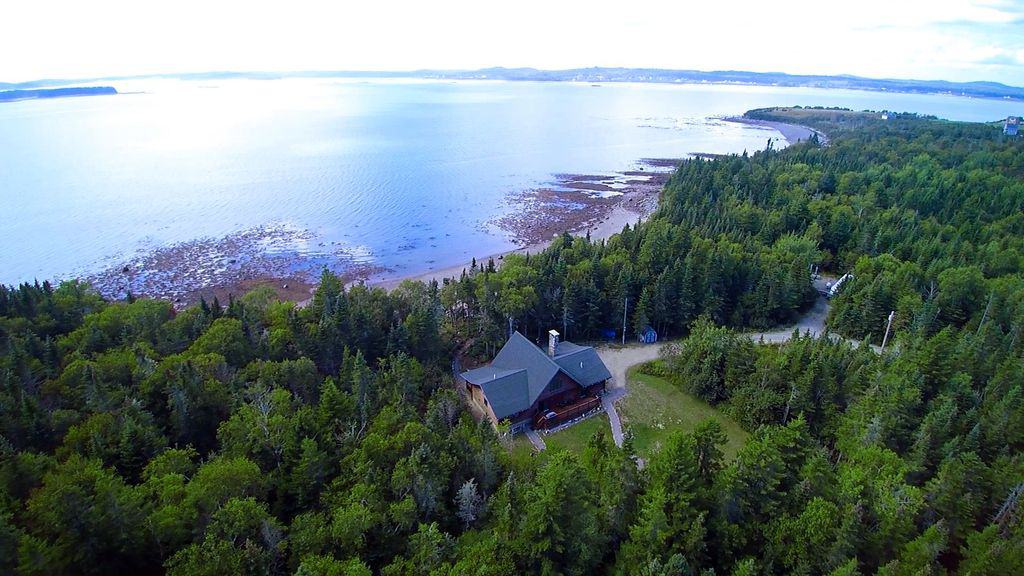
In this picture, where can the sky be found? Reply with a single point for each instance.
(957, 40)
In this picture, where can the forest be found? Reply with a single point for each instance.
(260, 437)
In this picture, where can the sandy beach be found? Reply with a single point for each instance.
(791, 133)
(630, 208)
(598, 204)
(611, 224)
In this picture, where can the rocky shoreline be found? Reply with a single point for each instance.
(232, 265)
(278, 257)
(607, 203)
(578, 202)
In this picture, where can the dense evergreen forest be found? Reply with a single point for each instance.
(264, 438)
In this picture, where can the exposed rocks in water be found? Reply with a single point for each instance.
(233, 264)
(672, 163)
(577, 202)
(278, 257)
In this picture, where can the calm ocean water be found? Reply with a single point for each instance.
(402, 174)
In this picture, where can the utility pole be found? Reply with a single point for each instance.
(887, 326)
(625, 306)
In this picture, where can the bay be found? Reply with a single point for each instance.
(406, 175)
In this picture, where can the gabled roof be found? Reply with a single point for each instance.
(521, 371)
(506, 390)
(564, 348)
(583, 365)
(484, 374)
(521, 354)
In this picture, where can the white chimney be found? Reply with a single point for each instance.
(552, 342)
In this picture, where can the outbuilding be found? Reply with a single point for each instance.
(647, 336)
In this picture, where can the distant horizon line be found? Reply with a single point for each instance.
(594, 73)
(413, 71)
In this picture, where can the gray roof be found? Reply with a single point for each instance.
(520, 353)
(583, 365)
(507, 395)
(506, 390)
(485, 374)
(521, 371)
(564, 348)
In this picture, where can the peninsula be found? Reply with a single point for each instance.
(38, 93)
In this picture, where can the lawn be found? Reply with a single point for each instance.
(654, 408)
(575, 437)
(521, 446)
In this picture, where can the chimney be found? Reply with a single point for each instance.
(552, 342)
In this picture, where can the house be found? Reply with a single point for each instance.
(1012, 125)
(647, 336)
(527, 386)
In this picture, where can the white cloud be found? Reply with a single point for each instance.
(906, 38)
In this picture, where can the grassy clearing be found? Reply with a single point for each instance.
(654, 408)
(521, 447)
(575, 437)
(798, 114)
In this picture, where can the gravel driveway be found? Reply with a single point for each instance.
(618, 359)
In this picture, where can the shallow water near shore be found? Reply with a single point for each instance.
(400, 175)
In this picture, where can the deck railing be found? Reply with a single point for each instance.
(556, 416)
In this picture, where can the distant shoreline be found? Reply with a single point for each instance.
(49, 93)
(990, 90)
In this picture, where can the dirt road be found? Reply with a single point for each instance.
(619, 359)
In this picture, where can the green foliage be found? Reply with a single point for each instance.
(264, 438)
(328, 566)
(225, 337)
(560, 524)
(83, 519)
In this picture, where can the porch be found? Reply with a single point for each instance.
(557, 416)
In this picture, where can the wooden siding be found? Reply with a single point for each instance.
(559, 396)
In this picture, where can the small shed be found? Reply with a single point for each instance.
(647, 336)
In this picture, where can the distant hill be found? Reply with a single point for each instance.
(10, 95)
(977, 89)
(597, 74)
